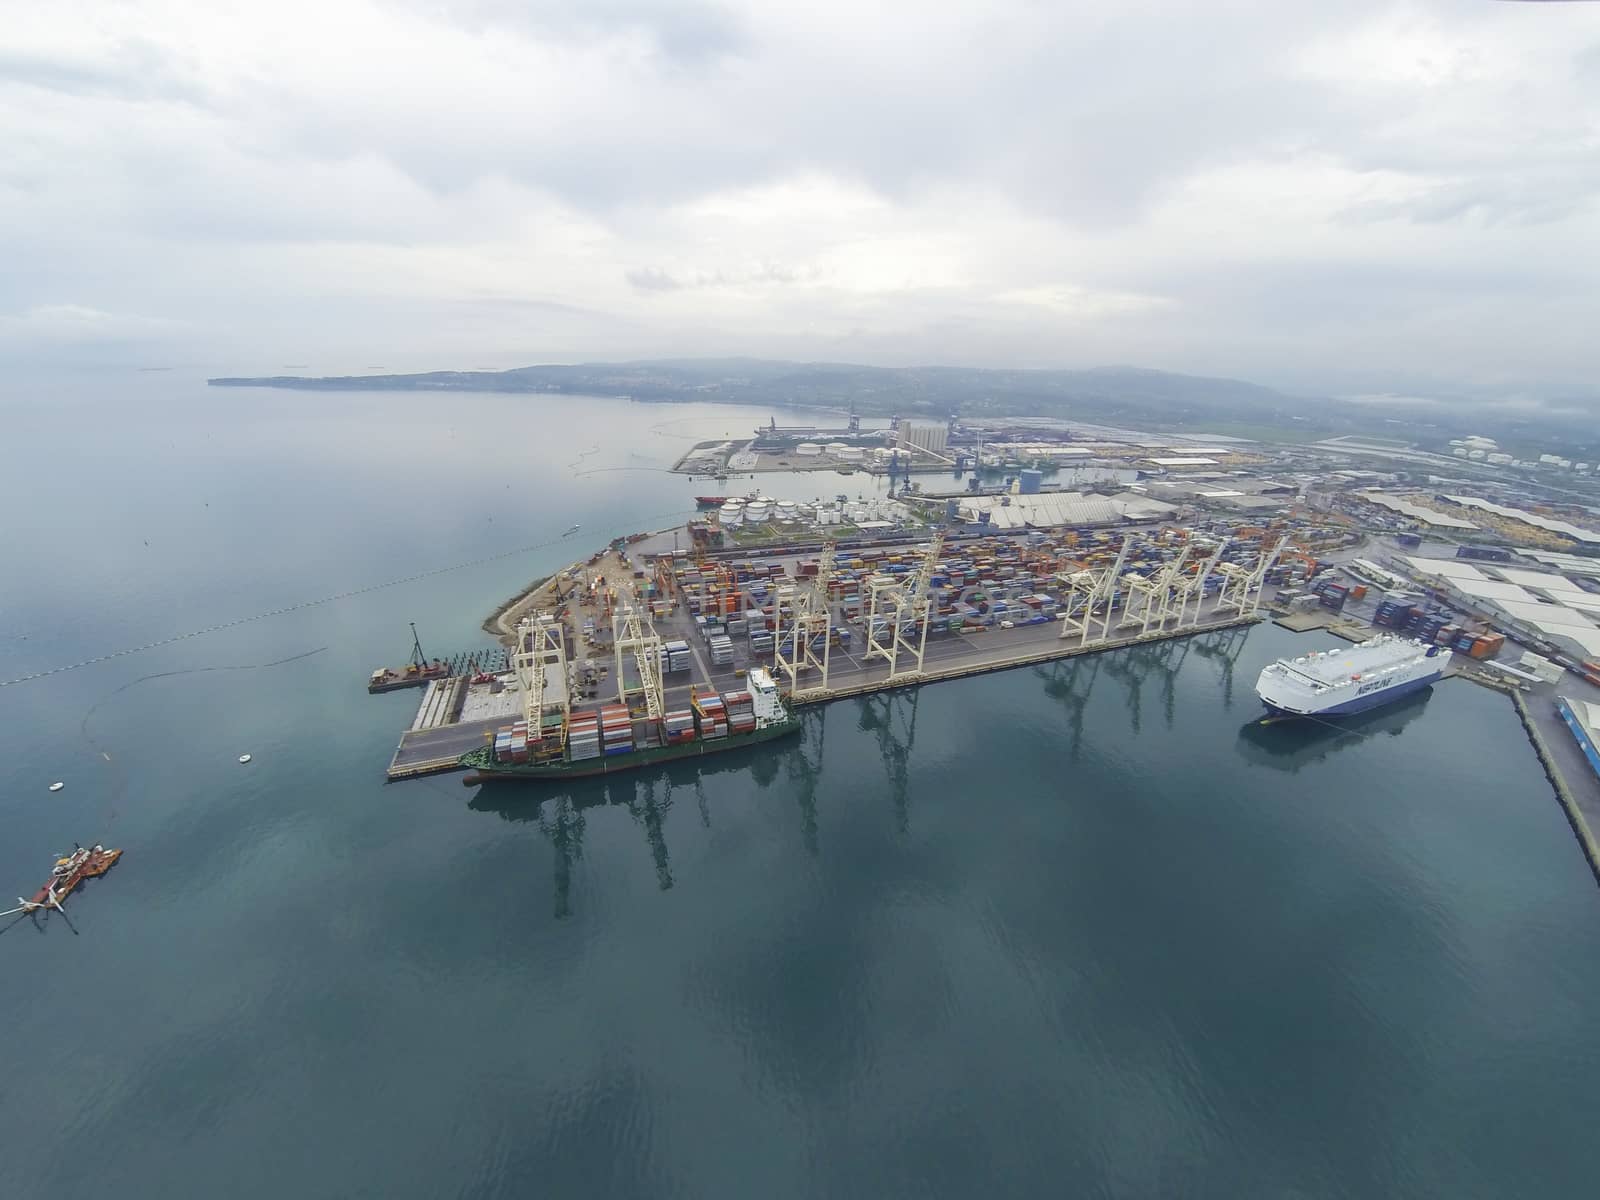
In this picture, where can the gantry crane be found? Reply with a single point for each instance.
(1192, 588)
(632, 631)
(899, 607)
(810, 622)
(1149, 599)
(1092, 595)
(1242, 587)
(540, 663)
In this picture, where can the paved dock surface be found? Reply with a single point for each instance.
(425, 751)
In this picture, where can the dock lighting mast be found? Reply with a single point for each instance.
(900, 607)
(632, 631)
(1242, 587)
(1091, 590)
(1150, 599)
(1193, 587)
(809, 611)
(540, 663)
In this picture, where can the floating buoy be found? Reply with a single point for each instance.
(57, 786)
(244, 758)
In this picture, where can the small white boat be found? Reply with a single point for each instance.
(57, 786)
(244, 758)
(572, 531)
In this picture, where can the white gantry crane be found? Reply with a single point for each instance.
(1090, 598)
(1190, 590)
(810, 623)
(1242, 586)
(897, 617)
(1149, 602)
(633, 632)
(540, 663)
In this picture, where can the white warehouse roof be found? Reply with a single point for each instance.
(1539, 581)
(1042, 510)
(1450, 568)
(1426, 515)
(1564, 528)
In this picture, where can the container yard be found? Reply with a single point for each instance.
(640, 647)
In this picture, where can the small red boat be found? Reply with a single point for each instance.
(710, 501)
(85, 862)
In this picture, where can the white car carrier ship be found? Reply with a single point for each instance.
(1329, 683)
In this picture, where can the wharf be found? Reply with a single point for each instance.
(431, 746)
(432, 750)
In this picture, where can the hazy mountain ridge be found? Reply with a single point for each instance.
(1137, 396)
(1104, 393)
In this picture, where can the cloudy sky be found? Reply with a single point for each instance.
(1360, 194)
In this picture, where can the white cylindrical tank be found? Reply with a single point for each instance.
(731, 515)
(787, 511)
(808, 449)
(756, 512)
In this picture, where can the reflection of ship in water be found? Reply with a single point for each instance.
(1290, 745)
(648, 795)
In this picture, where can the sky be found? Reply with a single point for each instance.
(1362, 196)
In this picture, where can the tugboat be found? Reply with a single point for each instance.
(85, 862)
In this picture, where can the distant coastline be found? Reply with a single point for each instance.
(1108, 394)
(1131, 397)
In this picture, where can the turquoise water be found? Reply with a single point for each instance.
(1080, 930)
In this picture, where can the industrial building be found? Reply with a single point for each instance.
(1054, 509)
(1408, 508)
(932, 437)
(1551, 608)
(1565, 529)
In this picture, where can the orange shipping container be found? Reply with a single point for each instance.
(1358, 592)
(1488, 645)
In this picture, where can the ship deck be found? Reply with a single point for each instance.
(1340, 663)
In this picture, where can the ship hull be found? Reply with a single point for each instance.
(487, 771)
(1360, 703)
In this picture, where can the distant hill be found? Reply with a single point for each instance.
(1109, 394)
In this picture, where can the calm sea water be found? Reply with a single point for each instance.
(1073, 931)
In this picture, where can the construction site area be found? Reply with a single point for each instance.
(658, 630)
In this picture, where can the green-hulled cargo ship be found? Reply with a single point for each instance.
(772, 720)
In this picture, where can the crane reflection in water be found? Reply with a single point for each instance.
(647, 795)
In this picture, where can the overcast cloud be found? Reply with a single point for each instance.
(1312, 194)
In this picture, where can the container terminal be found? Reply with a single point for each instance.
(942, 589)
(663, 631)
